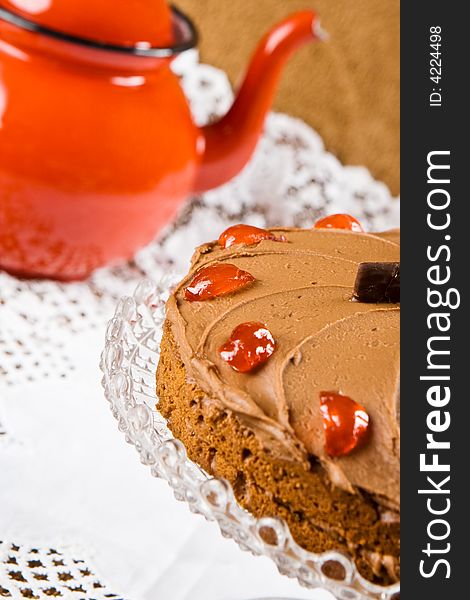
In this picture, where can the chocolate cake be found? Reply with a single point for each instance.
(278, 378)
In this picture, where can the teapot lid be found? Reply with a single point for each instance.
(131, 23)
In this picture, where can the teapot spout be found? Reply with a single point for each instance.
(227, 145)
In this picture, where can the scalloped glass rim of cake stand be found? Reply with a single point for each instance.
(128, 363)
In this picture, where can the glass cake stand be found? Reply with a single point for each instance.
(129, 361)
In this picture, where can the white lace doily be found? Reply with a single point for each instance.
(33, 572)
(48, 330)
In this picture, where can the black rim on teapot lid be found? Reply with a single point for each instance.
(185, 32)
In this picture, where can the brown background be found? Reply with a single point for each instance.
(346, 88)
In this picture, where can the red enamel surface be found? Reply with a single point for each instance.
(345, 423)
(108, 151)
(249, 346)
(122, 23)
(216, 280)
(230, 142)
(339, 221)
(246, 234)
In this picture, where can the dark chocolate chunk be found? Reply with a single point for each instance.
(378, 282)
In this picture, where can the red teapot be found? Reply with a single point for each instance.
(97, 145)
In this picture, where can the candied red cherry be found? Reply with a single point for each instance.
(216, 280)
(246, 234)
(249, 346)
(339, 221)
(345, 423)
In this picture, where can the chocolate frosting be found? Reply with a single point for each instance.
(325, 340)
